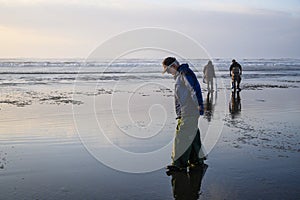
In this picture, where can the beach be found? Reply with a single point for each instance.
(72, 131)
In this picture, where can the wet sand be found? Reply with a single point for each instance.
(256, 157)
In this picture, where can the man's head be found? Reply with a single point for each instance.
(233, 60)
(170, 65)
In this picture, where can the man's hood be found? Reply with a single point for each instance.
(183, 68)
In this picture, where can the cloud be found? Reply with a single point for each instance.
(77, 28)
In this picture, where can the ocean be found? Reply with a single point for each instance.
(22, 72)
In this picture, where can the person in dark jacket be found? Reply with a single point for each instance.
(235, 73)
(188, 106)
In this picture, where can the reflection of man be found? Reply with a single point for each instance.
(209, 106)
(235, 104)
(188, 185)
(188, 106)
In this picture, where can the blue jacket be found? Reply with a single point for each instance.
(188, 95)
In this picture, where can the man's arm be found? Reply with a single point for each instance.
(214, 73)
(193, 86)
(230, 68)
(177, 108)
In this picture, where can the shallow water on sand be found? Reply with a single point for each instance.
(256, 157)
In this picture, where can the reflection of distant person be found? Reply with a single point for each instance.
(209, 106)
(188, 185)
(235, 73)
(188, 106)
(235, 106)
(209, 75)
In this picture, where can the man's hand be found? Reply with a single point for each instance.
(179, 122)
(201, 110)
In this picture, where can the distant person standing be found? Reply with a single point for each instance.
(188, 107)
(235, 73)
(209, 75)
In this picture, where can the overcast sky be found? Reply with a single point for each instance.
(74, 28)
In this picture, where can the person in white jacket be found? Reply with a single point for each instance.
(188, 106)
(209, 75)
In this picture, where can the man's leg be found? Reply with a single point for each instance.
(208, 81)
(238, 82)
(195, 150)
(186, 131)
